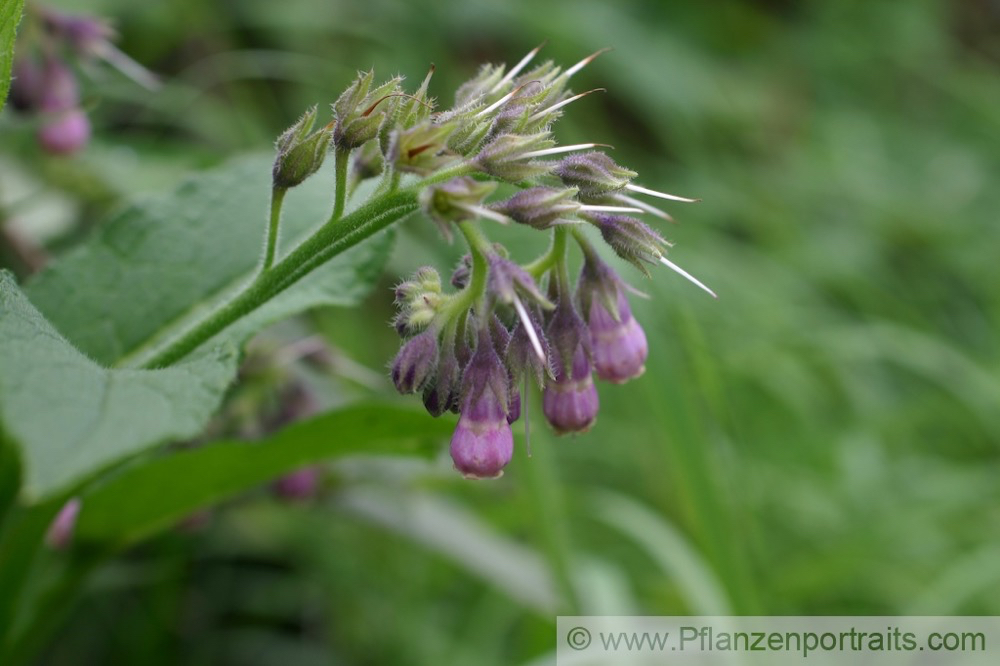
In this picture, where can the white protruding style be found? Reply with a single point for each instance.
(677, 269)
(562, 149)
(652, 210)
(588, 208)
(517, 68)
(529, 328)
(487, 213)
(583, 63)
(662, 195)
(556, 107)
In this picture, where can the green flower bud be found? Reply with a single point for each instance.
(595, 174)
(455, 201)
(632, 240)
(539, 207)
(418, 299)
(510, 157)
(300, 154)
(358, 112)
(421, 149)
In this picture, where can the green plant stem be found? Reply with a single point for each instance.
(479, 247)
(341, 158)
(277, 199)
(336, 236)
(332, 238)
(539, 266)
(584, 243)
(559, 247)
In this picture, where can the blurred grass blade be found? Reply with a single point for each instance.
(669, 548)
(973, 577)
(938, 361)
(603, 588)
(460, 535)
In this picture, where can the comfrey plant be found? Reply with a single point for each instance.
(469, 349)
(472, 341)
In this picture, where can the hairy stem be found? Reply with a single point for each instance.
(277, 199)
(332, 238)
(559, 248)
(475, 293)
(337, 235)
(341, 161)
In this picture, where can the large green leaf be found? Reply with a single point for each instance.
(10, 17)
(157, 493)
(71, 417)
(160, 263)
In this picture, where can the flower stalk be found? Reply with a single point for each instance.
(277, 199)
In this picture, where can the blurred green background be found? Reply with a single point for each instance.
(824, 439)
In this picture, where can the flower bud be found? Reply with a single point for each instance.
(60, 531)
(300, 154)
(507, 280)
(514, 402)
(454, 201)
(485, 372)
(416, 362)
(65, 132)
(618, 341)
(539, 207)
(357, 113)
(418, 107)
(418, 299)
(420, 149)
(85, 34)
(595, 174)
(298, 485)
(514, 113)
(507, 157)
(632, 240)
(367, 162)
(60, 91)
(26, 85)
(567, 333)
(521, 355)
(462, 273)
(570, 400)
(483, 443)
(473, 90)
(442, 393)
(499, 335)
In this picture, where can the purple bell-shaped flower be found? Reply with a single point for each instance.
(483, 442)
(570, 400)
(618, 345)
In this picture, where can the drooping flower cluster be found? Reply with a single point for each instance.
(43, 83)
(503, 325)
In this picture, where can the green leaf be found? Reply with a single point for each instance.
(156, 494)
(10, 17)
(71, 417)
(155, 266)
